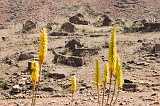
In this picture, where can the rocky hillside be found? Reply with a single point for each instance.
(18, 11)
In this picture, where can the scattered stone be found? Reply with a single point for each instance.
(29, 65)
(15, 89)
(78, 19)
(107, 21)
(28, 26)
(58, 34)
(154, 94)
(127, 81)
(157, 48)
(4, 85)
(82, 88)
(68, 60)
(140, 41)
(56, 75)
(66, 86)
(73, 44)
(48, 89)
(25, 56)
(142, 63)
(68, 27)
(84, 84)
(156, 103)
(130, 87)
(16, 74)
(10, 61)
(150, 27)
(4, 38)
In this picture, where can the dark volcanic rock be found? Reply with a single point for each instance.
(78, 19)
(56, 76)
(48, 89)
(25, 56)
(58, 34)
(68, 27)
(130, 87)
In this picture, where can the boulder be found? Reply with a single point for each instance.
(68, 60)
(78, 19)
(106, 20)
(25, 56)
(73, 44)
(68, 27)
(28, 26)
(56, 75)
(149, 27)
(48, 88)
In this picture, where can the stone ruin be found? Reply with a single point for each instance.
(29, 26)
(78, 19)
(77, 55)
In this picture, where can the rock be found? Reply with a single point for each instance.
(4, 85)
(25, 56)
(156, 103)
(29, 66)
(66, 86)
(157, 48)
(68, 60)
(127, 81)
(15, 89)
(10, 61)
(28, 26)
(68, 27)
(73, 44)
(48, 89)
(154, 94)
(56, 75)
(4, 38)
(82, 88)
(84, 84)
(58, 34)
(16, 74)
(107, 21)
(130, 87)
(149, 27)
(78, 19)
(49, 26)
(142, 63)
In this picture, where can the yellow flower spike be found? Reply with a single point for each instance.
(73, 84)
(119, 74)
(112, 51)
(106, 74)
(97, 80)
(97, 75)
(35, 72)
(43, 46)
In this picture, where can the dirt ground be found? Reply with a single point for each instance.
(141, 72)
